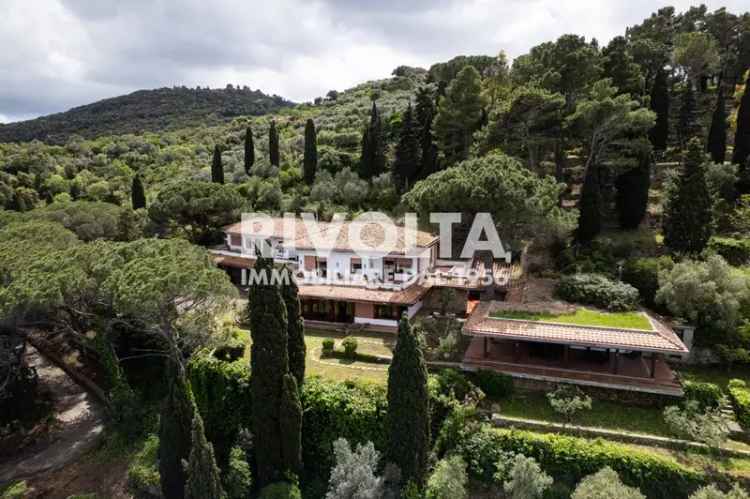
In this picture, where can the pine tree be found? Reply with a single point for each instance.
(688, 125)
(459, 115)
(295, 329)
(249, 150)
(175, 428)
(632, 193)
(742, 136)
(217, 169)
(203, 476)
(406, 163)
(310, 162)
(717, 136)
(273, 144)
(688, 216)
(372, 161)
(408, 417)
(137, 195)
(659, 134)
(425, 114)
(291, 425)
(590, 207)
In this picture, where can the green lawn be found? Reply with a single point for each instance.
(714, 374)
(603, 414)
(582, 317)
(343, 369)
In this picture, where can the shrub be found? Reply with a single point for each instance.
(15, 490)
(709, 426)
(605, 483)
(527, 480)
(239, 479)
(739, 394)
(711, 492)
(568, 459)
(233, 348)
(453, 381)
(280, 490)
(598, 290)
(706, 394)
(568, 400)
(143, 473)
(355, 472)
(734, 250)
(448, 481)
(350, 346)
(493, 384)
(328, 346)
(643, 274)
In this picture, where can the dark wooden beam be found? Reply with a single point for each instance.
(653, 365)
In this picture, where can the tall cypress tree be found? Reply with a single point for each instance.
(632, 193)
(408, 417)
(590, 207)
(175, 437)
(203, 476)
(249, 150)
(137, 194)
(688, 216)
(688, 125)
(310, 162)
(425, 114)
(742, 136)
(290, 424)
(372, 161)
(272, 424)
(273, 144)
(717, 136)
(659, 134)
(217, 169)
(406, 163)
(295, 329)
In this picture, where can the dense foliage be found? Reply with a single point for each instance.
(598, 290)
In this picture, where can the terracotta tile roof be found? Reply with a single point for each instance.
(408, 296)
(371, 235)
(660, 339)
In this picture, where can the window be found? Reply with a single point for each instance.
(391, 312)
(355, 266)
(235, 240)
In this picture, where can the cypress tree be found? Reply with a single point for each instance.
(590, 207)
(425, 114)
(295, 329)
(203, 480)
(273, 144)
(291, 424)
(269, 361)
(249, 150)
(688, 217)
(717, 136)
(408, 417)
(659, 134)
(217, 169)
(632, 193)
(310, 163)
(137, 195)
(688, 125)
(406, 162)
(742, 136)
(175, 429)
(372, 162)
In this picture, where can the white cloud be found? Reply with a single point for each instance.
(70, 52)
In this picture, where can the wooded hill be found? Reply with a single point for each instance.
(145, 110)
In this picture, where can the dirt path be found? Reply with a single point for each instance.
(77, 428)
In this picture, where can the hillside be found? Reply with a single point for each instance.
(145, 110)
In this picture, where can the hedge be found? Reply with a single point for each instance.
(643, 274)
(598, 290)
(734, 250)
(569, 459)
(739, 393)
(493, 384)
(707, 394)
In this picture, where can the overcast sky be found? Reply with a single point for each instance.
(61, 53)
